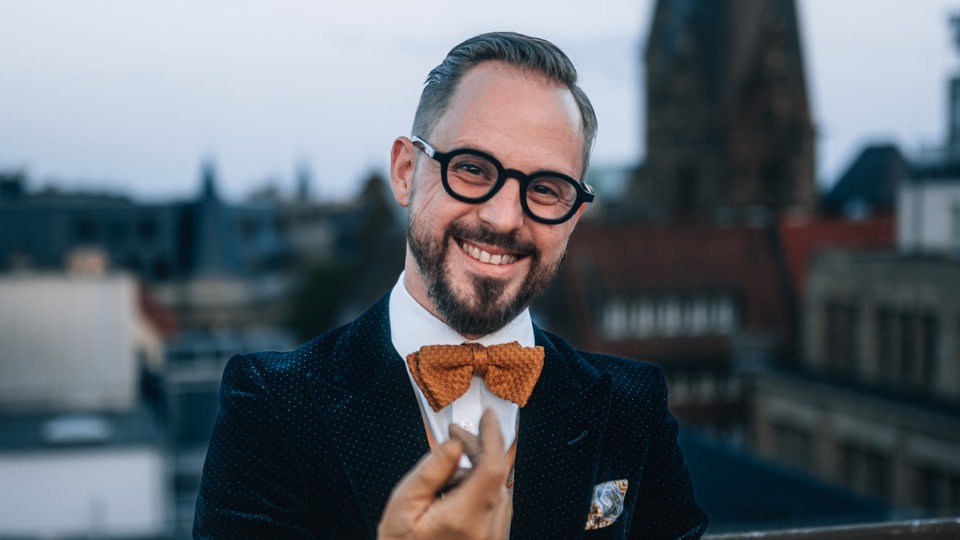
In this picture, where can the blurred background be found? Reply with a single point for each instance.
(777, 225)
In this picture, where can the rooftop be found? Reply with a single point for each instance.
(26, 432)
(741, 492)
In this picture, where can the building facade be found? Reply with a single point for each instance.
(728, 128)
(81, 427)
(875, 402)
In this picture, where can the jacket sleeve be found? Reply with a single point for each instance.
(251, 485)
(666, 506)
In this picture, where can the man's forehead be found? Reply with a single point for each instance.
(498, 87)
(498, 102)
(491, 72)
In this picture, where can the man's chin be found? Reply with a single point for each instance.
(477, 313)
(477, 309)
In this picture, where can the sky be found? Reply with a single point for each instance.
(131, 97)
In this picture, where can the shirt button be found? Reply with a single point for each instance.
(467, 424)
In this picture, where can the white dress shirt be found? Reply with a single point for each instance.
(412, 326)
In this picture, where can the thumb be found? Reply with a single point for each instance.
(430, 474)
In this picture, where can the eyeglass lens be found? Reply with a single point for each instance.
(473, 176)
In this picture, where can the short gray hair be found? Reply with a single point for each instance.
(529, 53)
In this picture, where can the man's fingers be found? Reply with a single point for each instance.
(471, 443)
(430, 474)
(490, 470)
(417, 491)
(491, 438)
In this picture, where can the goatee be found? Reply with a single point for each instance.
(487, 309)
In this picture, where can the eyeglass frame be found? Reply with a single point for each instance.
(585, 193)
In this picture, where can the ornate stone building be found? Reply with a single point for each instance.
(728, 128)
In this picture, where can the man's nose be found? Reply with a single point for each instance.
(503, 211)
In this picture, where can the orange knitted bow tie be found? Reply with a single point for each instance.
(443, 372)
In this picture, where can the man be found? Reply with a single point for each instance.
(311, 443)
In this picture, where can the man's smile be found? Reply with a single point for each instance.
(484, 256)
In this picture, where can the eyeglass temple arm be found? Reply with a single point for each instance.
(427, 149)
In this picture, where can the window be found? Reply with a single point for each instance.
(643, 316)
(865, 470)
(936, 490)
(723, 315)
(794, 445)
(841, 351)
(906, 349)
(928, 352)
(116, 233)
(955, 223)
(697, 319)
(615, 319)
(84, 230)
(925, 487)
(886, 347)
(670, 315)
(147, 231)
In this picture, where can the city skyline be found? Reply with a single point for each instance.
(102, 95)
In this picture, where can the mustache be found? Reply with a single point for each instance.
(484, 234)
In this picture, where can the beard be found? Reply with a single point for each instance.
(481, 305)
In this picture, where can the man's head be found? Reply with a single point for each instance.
(491, 179)
(531, 54)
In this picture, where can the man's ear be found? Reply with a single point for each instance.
(402, 166)
(576, 216)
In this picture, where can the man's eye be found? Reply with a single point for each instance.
(469, 168)
(544, 192)
(471, 171)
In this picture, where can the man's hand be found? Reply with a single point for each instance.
(478, 507)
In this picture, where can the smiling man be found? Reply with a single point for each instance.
(311, 443)
(478, 248)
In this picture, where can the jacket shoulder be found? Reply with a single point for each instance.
(271, 365)
(319, 355)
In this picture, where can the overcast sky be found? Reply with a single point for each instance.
(130, 96)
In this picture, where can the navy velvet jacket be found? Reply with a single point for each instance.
(310, 443)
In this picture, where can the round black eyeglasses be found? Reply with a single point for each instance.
(472, 176)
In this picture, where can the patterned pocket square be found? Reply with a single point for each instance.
(607, 504)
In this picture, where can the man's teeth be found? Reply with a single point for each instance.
(485, 257)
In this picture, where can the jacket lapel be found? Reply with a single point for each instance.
(559, 444)
(370, 411)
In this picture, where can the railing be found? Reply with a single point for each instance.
(915, 530)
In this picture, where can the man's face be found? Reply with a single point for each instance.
(476, 266)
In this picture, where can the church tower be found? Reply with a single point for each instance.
(728, 128)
